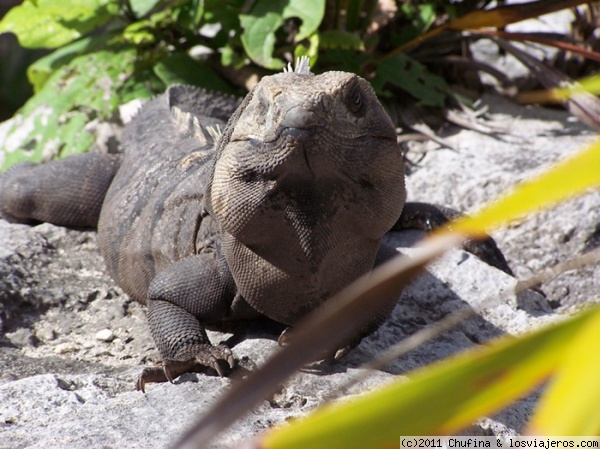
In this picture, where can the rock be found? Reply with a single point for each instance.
(66, 390)
(485, 167)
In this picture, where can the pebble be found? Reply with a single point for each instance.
(105, 335)
(46, 334)
(64, 348)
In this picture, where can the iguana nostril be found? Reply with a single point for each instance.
(302, 117)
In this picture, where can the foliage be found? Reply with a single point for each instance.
(109, 51)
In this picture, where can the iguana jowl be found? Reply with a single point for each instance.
(271, 218)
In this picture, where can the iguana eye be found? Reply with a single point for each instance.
(261, 106)
(355, 100)
(262, 97)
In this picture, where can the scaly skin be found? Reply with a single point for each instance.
(270, 219)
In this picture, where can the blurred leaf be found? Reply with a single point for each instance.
(412, 77)
(142, 7)
(140, 84)
(259, 39)
(50, 23)
(564, 180)
(439, 399)
(563, 410)
(582, 104)
(146, 31)
(341, 39)
(190, 14)
(180, 68)
(139, 33)
(226, 16)
(230, 58)
(266, 17)
(420, 18)
(590, 85)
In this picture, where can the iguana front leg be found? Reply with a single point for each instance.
(427, 217)
(181, 299)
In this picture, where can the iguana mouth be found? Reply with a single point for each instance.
(306, 134)
(296, 133)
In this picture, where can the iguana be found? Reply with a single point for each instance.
(268, 218)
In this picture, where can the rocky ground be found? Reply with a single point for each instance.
(72, 344)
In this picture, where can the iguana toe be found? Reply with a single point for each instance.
(198, 358)
(150, 374)
(326, 356)
(168, 371)
(213, 356)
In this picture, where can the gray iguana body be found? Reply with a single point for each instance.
(272, 218)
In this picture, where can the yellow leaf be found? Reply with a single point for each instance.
(560, 94)
(496, 17)
(438, 399)
(563, 181)
(571, 404)
(506, 14)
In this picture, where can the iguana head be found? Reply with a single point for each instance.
(302, 154)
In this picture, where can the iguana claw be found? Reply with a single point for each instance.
(167, 372)
(206, 356)
(328, 356)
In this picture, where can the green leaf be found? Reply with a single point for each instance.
(228, 56)
(180, 68)
(226, 15)
(312, 51)
(142, 7)
(144, 32)
(412, 77)
(139, 33)
(50, 23)
(345, 60)
(141, 84)
(190, 14)
(341, 39)
(266, 17)
(39, 72)
(418, 18)
(53, 123)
